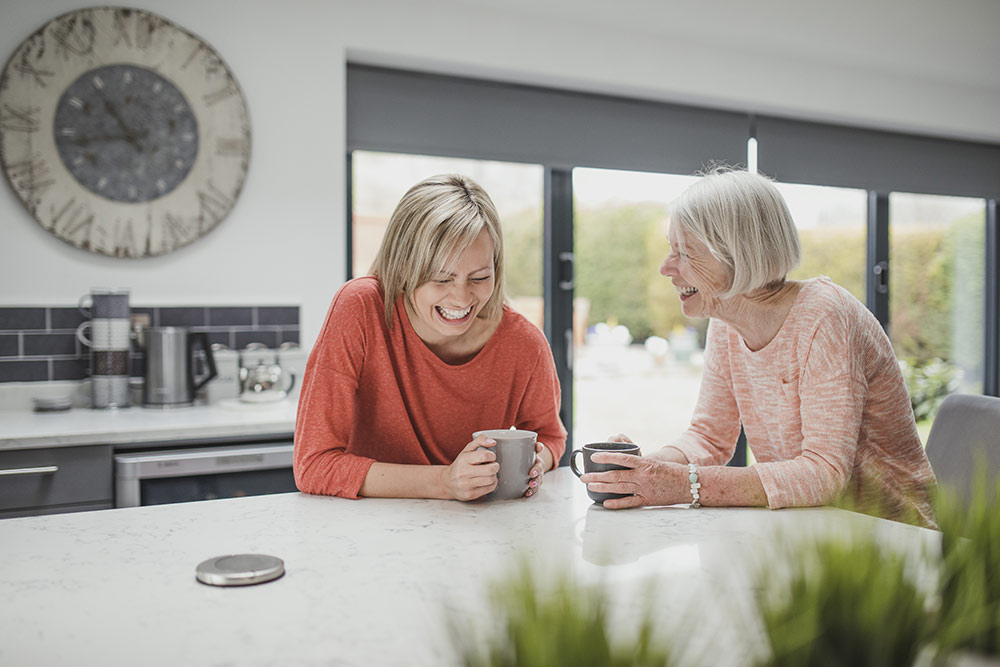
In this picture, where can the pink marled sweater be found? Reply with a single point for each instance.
(824, 408)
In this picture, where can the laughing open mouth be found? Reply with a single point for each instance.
(453, 314)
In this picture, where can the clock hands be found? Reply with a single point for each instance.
(85, 141)
(130, 135)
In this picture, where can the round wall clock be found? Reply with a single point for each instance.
(122, 133)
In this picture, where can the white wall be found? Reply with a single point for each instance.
(916, 65)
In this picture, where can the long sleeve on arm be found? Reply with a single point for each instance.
(715, 426)
(327, 404)
(831, 414)
(825, 409)
(539, 406)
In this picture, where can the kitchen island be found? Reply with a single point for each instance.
(371, 582)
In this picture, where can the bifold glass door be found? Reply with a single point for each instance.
(937, 297)
(637, 359)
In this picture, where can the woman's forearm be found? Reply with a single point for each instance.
(722, 486)
(548, 461)
(670, 454)
(397, 480)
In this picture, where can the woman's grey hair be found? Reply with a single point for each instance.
(745, 223)
(433, 224)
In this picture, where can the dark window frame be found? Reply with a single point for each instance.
(402, 111)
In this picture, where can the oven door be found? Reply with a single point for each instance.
(202, 473)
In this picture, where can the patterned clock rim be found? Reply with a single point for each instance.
(161, 22)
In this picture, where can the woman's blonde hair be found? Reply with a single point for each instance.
(745, 223)
(433, 224)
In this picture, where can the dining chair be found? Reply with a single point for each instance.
(964, 437)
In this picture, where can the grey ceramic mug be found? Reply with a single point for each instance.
(591, 466)
(106, 303)
(515, 450)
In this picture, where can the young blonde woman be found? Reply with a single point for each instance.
(803, 366)
(417, 356)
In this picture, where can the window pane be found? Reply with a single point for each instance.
(832, 223)
(381, 179)
(936, 296)
(637, 359)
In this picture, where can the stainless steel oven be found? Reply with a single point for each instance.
(180, 475)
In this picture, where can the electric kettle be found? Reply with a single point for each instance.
(171, 356)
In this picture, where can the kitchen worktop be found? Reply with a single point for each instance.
(371, 582)
(24, 429)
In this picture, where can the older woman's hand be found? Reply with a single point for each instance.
(650, 482)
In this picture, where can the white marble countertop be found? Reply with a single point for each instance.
(368, 582)
(24, 429)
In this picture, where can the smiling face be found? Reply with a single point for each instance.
(698, 276)
(445, 308)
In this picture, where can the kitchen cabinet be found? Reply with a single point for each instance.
(60, 479)
(65, 462)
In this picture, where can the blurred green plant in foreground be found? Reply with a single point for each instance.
(970, 568)
(553, 622)
(842, 603)
(845, 599)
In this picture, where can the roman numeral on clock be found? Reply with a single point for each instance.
(25, 68)
(228, 90)
(32, 177)
(179, 232)
(73, 221)
(229, 147)
(76, 34)
(19, 119)
(212, 205)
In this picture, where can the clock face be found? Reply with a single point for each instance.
(126, 133)
(122, 133)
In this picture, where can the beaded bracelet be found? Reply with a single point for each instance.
(695, 485)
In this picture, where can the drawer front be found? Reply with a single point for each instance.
(32, 478)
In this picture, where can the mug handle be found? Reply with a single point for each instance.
(79, 305)
(572, 462)
(79, 333)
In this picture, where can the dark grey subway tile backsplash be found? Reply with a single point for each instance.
(182, 317)
(23, 371)
(231, 317)
(277, 315)
(49, 344)
(39, 343)
(65, 318)
(9, 345)
(22, 318)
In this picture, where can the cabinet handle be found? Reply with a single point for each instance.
(40, 470)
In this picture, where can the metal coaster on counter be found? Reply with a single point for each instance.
(239, 570)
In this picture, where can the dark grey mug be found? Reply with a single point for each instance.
(590, 466)
(515, 451)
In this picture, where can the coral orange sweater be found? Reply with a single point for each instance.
(824, 408)
(372, 393)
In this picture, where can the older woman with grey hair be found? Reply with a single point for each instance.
(803, 366)
(416, 357)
